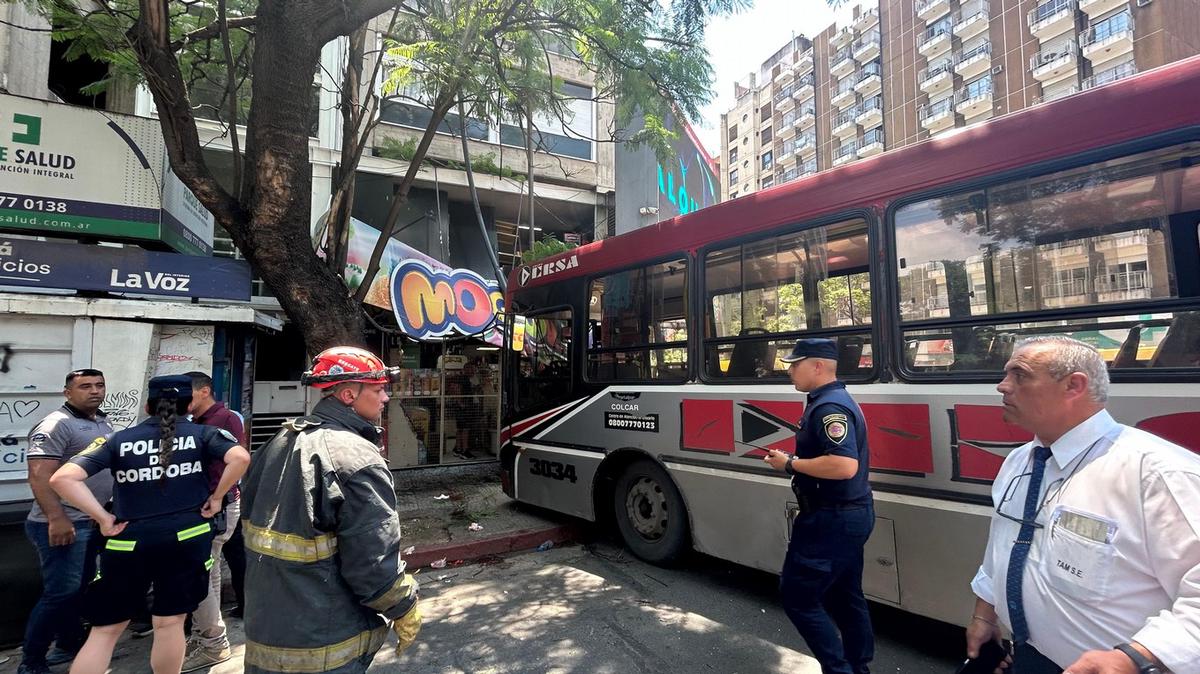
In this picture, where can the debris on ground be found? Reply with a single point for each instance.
(442, 497)
(545, 546)
(410, 549)
(475, 526)
(438, 564)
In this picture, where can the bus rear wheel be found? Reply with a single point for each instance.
(650, 513)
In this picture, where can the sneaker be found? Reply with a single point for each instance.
(201, 658)
(141, 629)
(59, 656)
(32, 668)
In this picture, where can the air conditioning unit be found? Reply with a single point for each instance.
(996, 70)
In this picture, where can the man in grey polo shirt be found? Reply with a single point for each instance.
(66, 539)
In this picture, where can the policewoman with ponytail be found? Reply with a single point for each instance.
(160, 531)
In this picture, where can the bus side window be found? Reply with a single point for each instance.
(763, 295)
(1089, 252)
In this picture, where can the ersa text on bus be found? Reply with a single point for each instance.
(544, 269)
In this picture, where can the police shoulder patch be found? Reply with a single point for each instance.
(227, 435)
(96, 444)
(829, 418)
(835, 429)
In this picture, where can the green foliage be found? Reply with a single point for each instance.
(102, 36)
(505, 57)
(398, 149)
(545, 248)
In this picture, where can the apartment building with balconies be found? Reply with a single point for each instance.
(909, 70)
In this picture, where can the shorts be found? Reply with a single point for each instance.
(174, 560)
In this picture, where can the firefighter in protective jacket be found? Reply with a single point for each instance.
(324, 576)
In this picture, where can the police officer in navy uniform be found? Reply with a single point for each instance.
(821, 581)
(160, 531)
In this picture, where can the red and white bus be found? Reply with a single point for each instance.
(643, 380)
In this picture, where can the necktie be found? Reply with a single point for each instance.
(1020, 550)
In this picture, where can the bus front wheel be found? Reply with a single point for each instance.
(650, 513)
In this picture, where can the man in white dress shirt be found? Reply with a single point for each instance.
(1097, 571)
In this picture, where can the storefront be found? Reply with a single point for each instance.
(441, 329)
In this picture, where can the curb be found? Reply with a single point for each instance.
(525, 539)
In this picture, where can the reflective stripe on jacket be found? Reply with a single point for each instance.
(324, 573)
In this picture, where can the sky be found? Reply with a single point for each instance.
(738, 44)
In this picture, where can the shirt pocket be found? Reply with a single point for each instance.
(1078, 566)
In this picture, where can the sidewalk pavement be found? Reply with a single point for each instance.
(437, 508)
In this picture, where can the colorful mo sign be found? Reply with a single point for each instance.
(429, 302)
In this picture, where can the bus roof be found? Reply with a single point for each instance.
(1097, 118)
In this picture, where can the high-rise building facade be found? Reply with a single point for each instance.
(909, 70)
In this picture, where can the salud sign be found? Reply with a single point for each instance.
(86, 172)
(39, 264)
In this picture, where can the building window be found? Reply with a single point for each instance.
(766, 136)
(766, 159)
(569, 136)
(768, 181)
(733, 151)
(733, 176)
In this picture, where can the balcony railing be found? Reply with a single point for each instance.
(785, 92)
(1050, 10)
(842, 54)
(845, 117)
(932, 34)
(872, 68)
(809, 166)
(1065, 288)
(867, 40)
(981, 50)
(873, 103)
(935, 109)
(1113, 26)
(974, 90)
(971, 15)
(1129, 280)
(873, 136)
(1047, 56)
(1057, 94)
(848, 150)
(937, 69)
(1111, 75)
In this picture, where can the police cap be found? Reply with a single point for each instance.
(812, 348)
(171, 386)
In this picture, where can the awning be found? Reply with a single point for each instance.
(126, 309)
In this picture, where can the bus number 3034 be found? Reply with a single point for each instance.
(552, 469)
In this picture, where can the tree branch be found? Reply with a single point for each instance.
(149, 38)
(213, 29)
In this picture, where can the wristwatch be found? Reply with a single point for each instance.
(1144, 665)
(787, 467)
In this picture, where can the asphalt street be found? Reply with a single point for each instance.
(596, 608)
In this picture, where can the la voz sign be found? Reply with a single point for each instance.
(39, 264)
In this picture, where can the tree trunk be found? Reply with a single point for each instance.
(277, 187)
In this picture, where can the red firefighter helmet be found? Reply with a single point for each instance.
(346, 364)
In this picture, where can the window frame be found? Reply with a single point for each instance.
(897, 328)
(879, 356)
(539, 312)
(688, 318)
